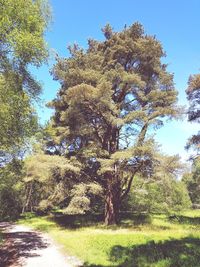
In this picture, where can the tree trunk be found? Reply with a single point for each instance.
(28, 198)
(112, 186)
(112, 203)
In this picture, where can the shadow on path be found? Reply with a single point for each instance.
(18, 245)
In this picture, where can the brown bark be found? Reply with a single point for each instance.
(28, 198)
(112, 201)
(112, 182)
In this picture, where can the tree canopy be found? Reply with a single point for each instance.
(22, 44)
(192, 181)
(112, 95)
(193, 95)
(163, 191)
(22, 28)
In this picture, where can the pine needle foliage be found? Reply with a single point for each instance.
(112, 95)
(193, 95)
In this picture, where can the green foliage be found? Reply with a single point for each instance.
(55, 181)
(192, 181)
(160, 192)
(83, 196)
(164, 196)
(11, 187)
(22, 26)
(180, 197)
(48, 180)
(193, 95)
(18, 121)
(112, 94)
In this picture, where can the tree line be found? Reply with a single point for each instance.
(97, 152)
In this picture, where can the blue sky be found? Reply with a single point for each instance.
(175, 23)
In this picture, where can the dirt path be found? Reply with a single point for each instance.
(28, 248)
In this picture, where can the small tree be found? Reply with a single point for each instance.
(111, 95)
(193, 95)
(162, 192)
(47, 181)
(11, 188)
(192, 181)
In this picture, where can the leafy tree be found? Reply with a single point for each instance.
(192, 181)
(112, 95)
(18, 121)
(84, 197)
(11, 186)
(193, 95)
(48, 180)
(162, 191)
(22, 27)
(54, 181)
(165, 196)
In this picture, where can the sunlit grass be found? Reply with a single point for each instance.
(191, 213)
(167, 242)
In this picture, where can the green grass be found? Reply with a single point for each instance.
(161, 243)
(191, 213)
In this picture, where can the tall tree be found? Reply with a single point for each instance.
(22, 27)
(111, 96)
(18, 120)
(193, 95)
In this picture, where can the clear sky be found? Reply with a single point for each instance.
(176, 23)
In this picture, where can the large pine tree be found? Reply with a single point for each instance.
(111, 96)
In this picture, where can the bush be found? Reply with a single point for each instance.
(10, 205)
(157, 197)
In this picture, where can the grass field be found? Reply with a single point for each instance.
(164, 242)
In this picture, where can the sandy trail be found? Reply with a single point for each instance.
(28, 248)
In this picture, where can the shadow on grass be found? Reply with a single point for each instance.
(77, 221)
(185, 219)
(172, 253)
(85, 220)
